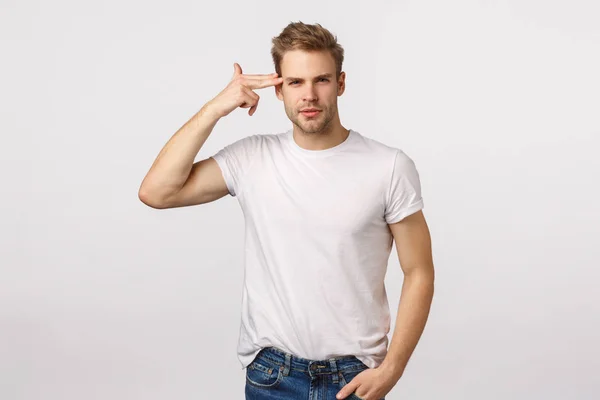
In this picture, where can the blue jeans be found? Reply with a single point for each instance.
(277, 375)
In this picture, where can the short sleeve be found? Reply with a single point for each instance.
(235, 160)
(404, 192)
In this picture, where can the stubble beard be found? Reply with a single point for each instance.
(312, 126)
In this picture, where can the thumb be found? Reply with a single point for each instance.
(237, 70)
(346, 391)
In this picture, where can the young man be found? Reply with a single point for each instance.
(322, 205)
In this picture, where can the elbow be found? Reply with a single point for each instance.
(149, 200)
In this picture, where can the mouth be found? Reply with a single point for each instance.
(310, 112)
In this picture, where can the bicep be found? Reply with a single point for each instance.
(413, 243)
(204, 184)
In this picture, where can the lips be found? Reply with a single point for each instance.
(310, 112)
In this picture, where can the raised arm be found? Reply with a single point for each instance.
(174, 180)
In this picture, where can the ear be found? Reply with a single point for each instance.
(342, 83)
(278, 91)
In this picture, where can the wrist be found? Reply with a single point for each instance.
(393, 371)
(210, 110)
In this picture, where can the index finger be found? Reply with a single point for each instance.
(260, 75)
(262, 83)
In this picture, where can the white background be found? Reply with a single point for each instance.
(497, 102)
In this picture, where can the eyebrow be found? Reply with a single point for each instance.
(289, 79)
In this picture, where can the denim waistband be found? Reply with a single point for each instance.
(331, 365)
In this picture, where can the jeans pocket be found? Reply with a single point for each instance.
(263, 374)
(346, 375)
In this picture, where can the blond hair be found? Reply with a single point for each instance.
(307, 37)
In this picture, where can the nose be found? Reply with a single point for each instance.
(310, 94)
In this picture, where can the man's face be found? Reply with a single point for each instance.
(310, 82)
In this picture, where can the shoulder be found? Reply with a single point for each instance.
(392, 155)
(246, 142)
(249, 145)
(260, 139)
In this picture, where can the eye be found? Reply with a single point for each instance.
(321, 79)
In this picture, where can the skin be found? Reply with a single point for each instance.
(304, 87)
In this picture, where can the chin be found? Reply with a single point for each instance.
(313, 129)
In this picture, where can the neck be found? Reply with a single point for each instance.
(325, 139)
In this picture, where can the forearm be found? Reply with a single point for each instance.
(172, 166)
(413, 311)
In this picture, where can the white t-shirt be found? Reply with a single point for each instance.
(317, 242)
